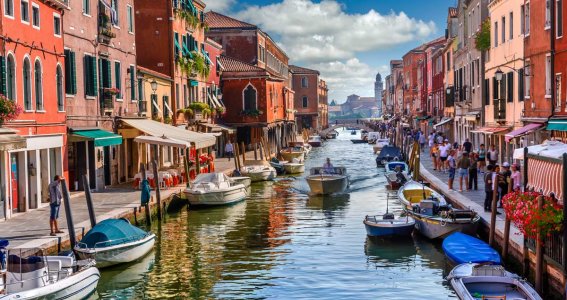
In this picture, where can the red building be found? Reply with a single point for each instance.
(437, 91)
(412, 102)
(559, 57)
(305, 84)
(254, 82)
(33, 58)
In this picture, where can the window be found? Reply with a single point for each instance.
(87, 7)
(177, 96)
(57, 25)
(558, 92)
(547, 14)
(305, 102)
(90, 72)
(114, 5)
(511, 21)
(118, 77)
(510, 88)
(11, 78)
(503, 30)
(130, 15)
(132, 72)
(166, 107)
(527, 18)
(27, 84)
(548, 76)
(25, 11)
(141, 89)
(304, 82)
(59, 83)
(70, 73)
(448, 61)
(495, 34)
(9, 8)
(559, 18)
(522, 19)
(185, 98)
(38, 76)
(35, 15)
(250, 98)
(527, 80)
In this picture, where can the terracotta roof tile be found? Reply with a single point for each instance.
(217, 21)
(234, 65)
(301, 70)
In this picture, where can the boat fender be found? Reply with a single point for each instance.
(443, 222)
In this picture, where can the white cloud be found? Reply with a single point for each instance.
(221, 6)
(324, 32)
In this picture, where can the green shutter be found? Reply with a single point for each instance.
(108, 73)
(73, 74)
(3, 75)
(68, 88)
(87, 74)
(132, 83)
(94, 77)
(117, 75)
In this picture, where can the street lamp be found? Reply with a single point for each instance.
(448, 90)
(499, 74)
(154, 84)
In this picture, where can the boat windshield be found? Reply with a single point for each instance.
(25, 260)
(211, 177)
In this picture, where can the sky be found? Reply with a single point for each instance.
(348, 41)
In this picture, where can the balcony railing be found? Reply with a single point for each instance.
(107, 103)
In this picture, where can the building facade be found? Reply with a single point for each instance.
(305, 84)
(378, 88)
(323, 91)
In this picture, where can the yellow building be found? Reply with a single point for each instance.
(155, 95)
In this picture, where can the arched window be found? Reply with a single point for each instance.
(11, 78)
(59, 79)
(304, 82)
(38, 86)
(250, 98)
(305, 101)
(27, 84)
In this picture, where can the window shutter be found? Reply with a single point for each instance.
(132, 83)
(503, 83)
(3, 75)
(494, 89)
(68, 85)
(487, 91)
(117, 76)
(94, 77)
(521, 84)
(87, 75)
(510, 82)
(73, 74)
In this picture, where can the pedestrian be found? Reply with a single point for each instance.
(488, 188)
(463, 165)
(473, 172)
(55, 196)
(452, 168)
(440, 138)
(467, 145)
(492, 155)
(516, 178)
(481, 158)
(495, 178)
(431, 139)
(422, 141)
(503, 182)
(434, 155)
(444, 154)
(229, 150)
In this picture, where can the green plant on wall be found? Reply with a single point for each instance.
(190, 19)
(199, 106)
(194, 65)
(482, 38)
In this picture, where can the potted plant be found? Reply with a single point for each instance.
(168, 120)
(255, 113)
(9, 110)
(111, 91)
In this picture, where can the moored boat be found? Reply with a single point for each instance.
(278, 165)
(461, 248)
(387, 154)
(290, 153)
(380, 144)
(388, 226)
(294, 167)
(304, 146)
(353, 132)
(484, 281)
(212, 189)
(332, 134)
(115, 241)
(358, 141)
(325, 183)
(395, 179)
(28, 274)
(314, 141)
(258, 170)
(434, 218)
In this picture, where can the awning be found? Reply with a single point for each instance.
(213, 101)
(9, 140)
(558, 124)
(552, 182)
(491, 130)
(219, 128)
(217, 100)
(158, 129)
(101, 137)
(522, 131)
(219, 64)
(551, 149)
(443, 122)
(156, 106)
(193, 82)
(168, 108)
(163, 141)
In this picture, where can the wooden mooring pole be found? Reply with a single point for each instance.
(158, 194)
(89, 198)
(68, 213)
(511, 183)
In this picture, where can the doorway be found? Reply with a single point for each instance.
(107, 180)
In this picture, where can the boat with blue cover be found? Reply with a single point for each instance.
(115, 241)
(388, 154)
(462, 248)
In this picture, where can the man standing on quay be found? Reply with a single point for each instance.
(55, 196)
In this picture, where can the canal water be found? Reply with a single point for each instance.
(282, 243)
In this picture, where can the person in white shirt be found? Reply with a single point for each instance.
(443, 154)
(431, 139)
(328, 167)
(229, 150)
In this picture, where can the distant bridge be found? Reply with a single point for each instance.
(360, 126)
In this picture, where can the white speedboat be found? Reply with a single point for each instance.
(216, 189)
(294, 167)
(115, 241)
(482, 281)
(258, 170)
(290, 153)
(314, 141)
(31, 275)
(306, 147)
(379, 144)
(325, 183)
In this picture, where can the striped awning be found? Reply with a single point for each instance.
(551, 182)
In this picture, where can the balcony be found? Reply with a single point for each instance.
(107, 104)
(105, 33)
(142, 108)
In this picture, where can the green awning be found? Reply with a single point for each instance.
(194, 82)
(101, 137)
(559, 125)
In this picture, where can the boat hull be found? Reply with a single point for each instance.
(294, 168)
(257, 176)
(119, 254)
(289, 156)
(435, 227)
(393, 180)
(326, 184)
(332, 136)
(387, 229)
(314, 143)
(358, 141)
(216, 198)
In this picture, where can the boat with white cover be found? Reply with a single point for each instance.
(486, 281)
(115, 241)
(379, 144)
(325, 183)
(292, 152)
(213, 189)
(28, 274)
(258, 170)
(293, 167)
(314, 141)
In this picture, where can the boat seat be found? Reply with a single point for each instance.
(66, 262)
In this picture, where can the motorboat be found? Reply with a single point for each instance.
(326, 181)
(352, 128)
(358, 141)
(29, 274)
(388, 225)
(380, 144)
(246, 181)
(314, 141)
(278, 165)
(213, 189)
(294, 167)
(472, 281)
(115, 241)
(397, 174)
(387, 154)
(372, 137)
(290, 153)
(462, 248)
(258, 170)
(305, 147)
(332, 134)
(434, 217)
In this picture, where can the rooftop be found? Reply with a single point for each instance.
(301, 70)
(218, 21)
(234, 65)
